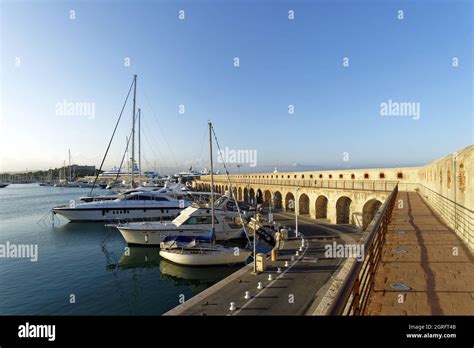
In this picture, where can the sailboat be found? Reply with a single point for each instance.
(201, 251)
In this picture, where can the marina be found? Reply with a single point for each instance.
(73, 259)
(197, 172)
(286, 243)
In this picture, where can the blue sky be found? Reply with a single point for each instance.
(282, 62)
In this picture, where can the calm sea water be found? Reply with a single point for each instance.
(86, 260)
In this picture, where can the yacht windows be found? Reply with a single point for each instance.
(199, 220)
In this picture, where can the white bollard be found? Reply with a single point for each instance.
(301, 248)
(259, 286)
(270, 278)
(233, 307)
(286, 264)
(292, 258)
(247, 295)
(278, 270)
(297, 253)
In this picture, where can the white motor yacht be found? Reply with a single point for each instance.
(134, 206)
(194, 221)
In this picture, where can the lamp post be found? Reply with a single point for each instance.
(255, 240)
(270, 216)
(296, 212)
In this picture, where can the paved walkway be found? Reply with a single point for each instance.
(423, 253)
(292, 292)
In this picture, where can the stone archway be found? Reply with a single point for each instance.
(267, 198)
(259, 196)
(303, 204)
(289, 202)
(369, 211)
(252, 196)
(246, 195)
(321, 207)
(277, 200)
(343, 210)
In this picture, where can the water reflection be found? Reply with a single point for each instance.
(181, 275)
(139, 257)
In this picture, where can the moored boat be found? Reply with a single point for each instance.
(199, 252)
(134, 206)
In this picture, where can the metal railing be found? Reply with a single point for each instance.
(457, 216)
(366, 185)
(353, 295)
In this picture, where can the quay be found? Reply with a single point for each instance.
(416, 225)
(294, 291)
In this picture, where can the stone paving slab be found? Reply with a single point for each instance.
(410, 237)
(412, 252)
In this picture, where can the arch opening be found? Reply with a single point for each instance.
(303, 204)
(252, 196)
(322, 207)
(259, 196)
(277, 200)
(343, 210)
(267, 198)
(289, 202)
(246, 195)
(369, 211)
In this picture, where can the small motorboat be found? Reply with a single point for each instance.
(3, 184)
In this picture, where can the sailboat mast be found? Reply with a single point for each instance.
(69, 151)
(139, 145)
(128, 159)
(133, 127)
(212, 176)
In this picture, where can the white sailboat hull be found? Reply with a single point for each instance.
(205, 257)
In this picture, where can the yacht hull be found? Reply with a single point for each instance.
(156, 236)
(206, 257)
(116, 214)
